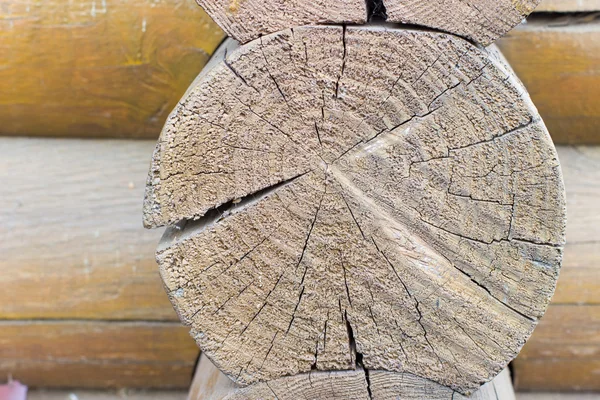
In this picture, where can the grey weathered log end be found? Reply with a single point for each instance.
(481, 21)
(386, 201)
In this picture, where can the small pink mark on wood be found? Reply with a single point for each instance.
(13, 390)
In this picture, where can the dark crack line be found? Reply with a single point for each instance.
(357, 356)
(272, 391)
(346, 281)
(312, 225)
(417, 303)
(188, 227)
(337, 83)
(265, 302)
(353, 217)
(236, 73)
(295, 309)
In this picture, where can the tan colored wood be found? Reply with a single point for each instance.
(401, 212)
(557, 59)
(564, 352)
(72, 238)
(560, 375)
(80, 354)
(211, 384)
(568, 5)
(482, 21)
(566, 331)
(110, 68)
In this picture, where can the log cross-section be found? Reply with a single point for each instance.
(481, 21)
(359, 197)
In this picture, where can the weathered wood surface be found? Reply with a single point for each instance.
(564, 351)
(430, 165)
(483, 22)
(100, 67)
(71, 234)
(211, 384)
(558, 61)
(568, 5)
(80, 354)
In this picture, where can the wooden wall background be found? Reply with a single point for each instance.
(81, 300)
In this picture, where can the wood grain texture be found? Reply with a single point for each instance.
(558, 60)
(358, 160)
(568, 5)
(72, 241)
(211, 384)
(483, 21)
(79, 354)
(98, 67)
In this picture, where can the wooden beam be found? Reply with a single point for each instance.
(557, 59)
(382, 209)
(72, 236)
(90, 354)
(109, 68)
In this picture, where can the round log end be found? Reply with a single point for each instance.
(379, 198)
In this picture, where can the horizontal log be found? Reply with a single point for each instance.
(98, 68)
(114, 80)
(566, 332)
(77, 203)
(557, 59)
(71, 189)
(83, 354)
(72, 241)
(568, 5)
(561, 375)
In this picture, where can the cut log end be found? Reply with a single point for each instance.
(481, 21)
(358, 198)
(210, 384)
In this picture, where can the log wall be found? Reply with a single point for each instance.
(115, 68)
(78, 269)
(82, 302)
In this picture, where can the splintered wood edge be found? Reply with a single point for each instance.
(211, 384)
(482, 22)
(436, 172)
